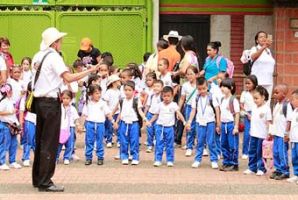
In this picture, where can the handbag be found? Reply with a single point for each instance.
(30, 98)
(247, 67)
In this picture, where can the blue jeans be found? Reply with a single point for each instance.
(255, 155)
(69, 146)
(229, 144)
(294, 147)
(246, 136)
(129, 138)
(150, 130)
(3, 140)
(206, 133)
(94, 133)
(109, 130)
(280, 155)
(164, 138)
(29, 139)
(190, 135)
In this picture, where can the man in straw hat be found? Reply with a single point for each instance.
(171, 53)
(50, 74)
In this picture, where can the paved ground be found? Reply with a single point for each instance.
(114, 181)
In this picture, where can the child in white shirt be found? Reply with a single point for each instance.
(246, 105)
(206, 109)
(95, 112)
(26, 71)
(229, 117)
(280, 129)
(294, 137)
(165, 75)
(260, 119)
(152, 104)
(165, 114)
(8, 137)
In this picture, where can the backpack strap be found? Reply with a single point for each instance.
(285, 107)
(231, 104)
(218, 59)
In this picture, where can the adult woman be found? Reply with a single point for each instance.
(263, 66)
(215, 66)
(88, 53)
(50, 74)
(190, 54)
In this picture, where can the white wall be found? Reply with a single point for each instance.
(220, 29)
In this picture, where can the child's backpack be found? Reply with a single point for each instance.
(267, 149)
(285, 107)
(231, 104)
(230, 65)
(135, 107)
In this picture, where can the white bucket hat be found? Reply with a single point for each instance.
(49, 36)
(173, 34)
(113, 78)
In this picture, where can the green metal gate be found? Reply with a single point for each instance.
(123, 27)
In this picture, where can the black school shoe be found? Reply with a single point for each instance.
(224, 167)
(88, 162)
(230, 168)
(99, 162)
(274, 174)
(52, 188)
(281, 177)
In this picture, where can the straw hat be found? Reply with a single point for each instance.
(113, 78)
(86, 43)
(172, 34)
(49, 36)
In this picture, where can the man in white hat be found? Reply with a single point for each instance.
(50, 72)
(171, 53)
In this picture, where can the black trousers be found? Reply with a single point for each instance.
(48, 111)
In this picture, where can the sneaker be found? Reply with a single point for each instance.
(205, 152)
(26, 163)
(157, 164)
(15, 165)
(109, 145)
(75, 157)
(244, 157)
(248, 172)
(196, 164)
(214, 165)
(170, 164)
(4, 167)
(177, 145)
(188, 153)
(135, 162)
(118, 144)
(66, 162)
(117, 157)
(88, 162)
(218, 157)
(260, 173)
(130, 158)
(293, 179)
(149, 150)
(184, 147)
(281, 177)
(124, 162)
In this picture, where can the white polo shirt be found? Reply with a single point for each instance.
(166, 114)
(225, 114)
(279, 125)
(167, 79)
(294, 126)
(190, 92)
(2, 64)
(248, 101)
(205, 113)
(96, 111)
(50, 79)
(259, 119)
(128, 113)
(6, 105)
(153, 102)
(112, 98)
(17, 88)
(74, 116)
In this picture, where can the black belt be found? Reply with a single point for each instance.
(48, 99)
